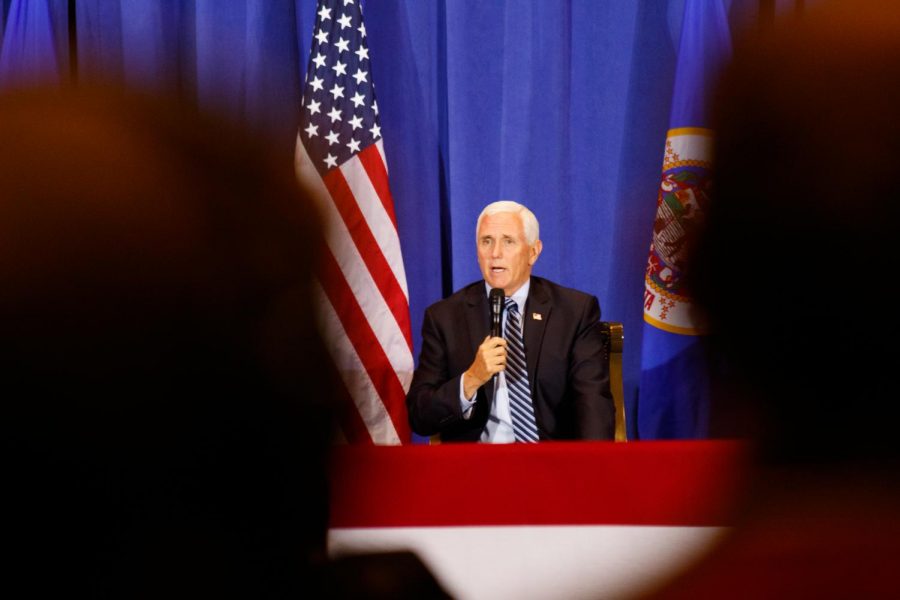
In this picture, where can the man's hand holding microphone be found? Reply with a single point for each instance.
(490, 358)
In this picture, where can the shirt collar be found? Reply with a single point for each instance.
(520, 296)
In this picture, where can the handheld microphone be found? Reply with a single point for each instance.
(497, 304)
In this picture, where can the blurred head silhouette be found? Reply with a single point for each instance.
(795, 268)
(165, 409)
(794, 272)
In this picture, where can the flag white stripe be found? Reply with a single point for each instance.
(380, 147)
(377, 218)
(372, 303)
(353, 372)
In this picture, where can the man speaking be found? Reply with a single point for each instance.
(513, 358)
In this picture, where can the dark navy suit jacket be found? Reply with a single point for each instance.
(563, 350)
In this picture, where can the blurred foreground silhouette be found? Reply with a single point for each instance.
(794, 271)
(161, 418)
(166, 412)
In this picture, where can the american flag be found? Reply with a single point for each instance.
(361, 283)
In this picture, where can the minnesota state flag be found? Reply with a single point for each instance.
(674, 388)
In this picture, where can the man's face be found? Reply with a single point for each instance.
(504, 256)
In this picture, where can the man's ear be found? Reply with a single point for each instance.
(535, 252)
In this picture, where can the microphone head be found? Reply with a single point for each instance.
(497, 296)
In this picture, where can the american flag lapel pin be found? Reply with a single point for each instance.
(536, 316)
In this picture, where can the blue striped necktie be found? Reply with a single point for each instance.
(520, 407)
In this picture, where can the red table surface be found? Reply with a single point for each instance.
(559, 483)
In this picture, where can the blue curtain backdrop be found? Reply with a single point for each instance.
(562, 106)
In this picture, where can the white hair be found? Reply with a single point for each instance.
(529, 221)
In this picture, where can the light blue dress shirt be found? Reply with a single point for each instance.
(499, 429)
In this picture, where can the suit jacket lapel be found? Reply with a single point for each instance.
(478, 318)
(538, 303)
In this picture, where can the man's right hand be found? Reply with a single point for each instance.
(489, 360)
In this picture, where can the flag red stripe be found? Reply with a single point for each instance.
(364, 341)
(370, 251)
(374, 166)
